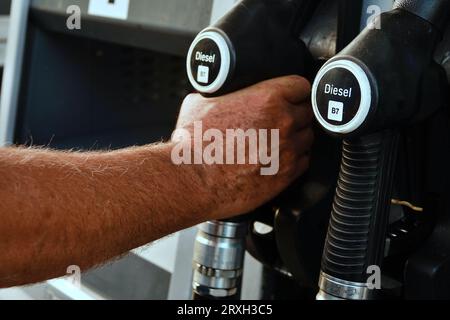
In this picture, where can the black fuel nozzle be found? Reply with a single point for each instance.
(384, 80)
(257, 40)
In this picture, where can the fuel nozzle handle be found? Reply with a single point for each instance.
(384, 80)
(257, 40)
(435, 12)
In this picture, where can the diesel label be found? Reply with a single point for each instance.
(339, 92)
(200, 56)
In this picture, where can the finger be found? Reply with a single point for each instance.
(303, 165)
(302, 114)
(303, 141)
(294, 89)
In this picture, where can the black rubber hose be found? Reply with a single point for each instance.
(360, 213)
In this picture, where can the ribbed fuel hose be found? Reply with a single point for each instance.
(359, 216)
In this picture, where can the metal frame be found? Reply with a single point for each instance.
(13, 70)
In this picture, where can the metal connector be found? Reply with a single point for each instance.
(336, 289)
(218, 258)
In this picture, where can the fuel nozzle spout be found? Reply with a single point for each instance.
(218, 260)
(258, 40)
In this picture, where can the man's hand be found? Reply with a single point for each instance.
(83, 208)
(282, 104)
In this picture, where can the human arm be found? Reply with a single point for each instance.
(84, 208)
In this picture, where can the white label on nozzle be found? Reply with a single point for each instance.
(203, 74)
(335, 111)
(200, 56)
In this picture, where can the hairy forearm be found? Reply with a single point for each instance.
(59, 209)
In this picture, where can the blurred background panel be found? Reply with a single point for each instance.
(5, 6)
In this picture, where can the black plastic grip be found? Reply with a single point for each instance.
(436, 12)
(360, 214)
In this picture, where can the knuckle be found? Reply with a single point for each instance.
(270, 97)
(191, 101)
(191, 98)
(301, 82)
(306, 84)
(287, 122)
(286, 118)
(296, 82)
(288, 156)
(285, 114)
